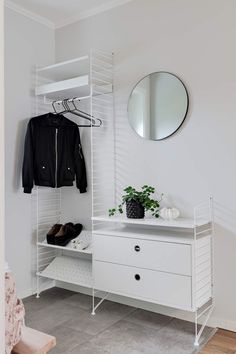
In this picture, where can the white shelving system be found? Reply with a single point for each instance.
(170, 263)
(88, 80)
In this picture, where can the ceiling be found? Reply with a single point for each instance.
(58, 13)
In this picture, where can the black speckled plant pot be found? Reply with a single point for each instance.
(134, 210)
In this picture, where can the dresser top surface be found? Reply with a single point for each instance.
(180, 223)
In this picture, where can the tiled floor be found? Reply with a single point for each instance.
(115, 329)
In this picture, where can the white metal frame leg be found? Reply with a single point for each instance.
(99, 303)
(93, 310)
(206, 312)
(38, 291)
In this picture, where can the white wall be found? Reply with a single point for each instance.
(194, 40)
(27, 43)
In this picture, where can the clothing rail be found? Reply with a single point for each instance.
(68, 100)
(49, 102)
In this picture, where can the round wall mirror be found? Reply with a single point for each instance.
(158, 105)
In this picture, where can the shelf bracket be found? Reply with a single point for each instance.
(99, 303)
(198, 333)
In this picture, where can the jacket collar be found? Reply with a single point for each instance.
(55, 120)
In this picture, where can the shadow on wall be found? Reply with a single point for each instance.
(225, 265)
(19, 153)
(224, 217)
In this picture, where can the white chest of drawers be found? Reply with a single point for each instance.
(164, 262)
(164, 268)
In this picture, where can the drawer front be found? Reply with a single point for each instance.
(164, 288)
(163, 256)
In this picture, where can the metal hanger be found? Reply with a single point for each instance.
(54, 108)
(86, 114)
(67, 109)
(78, 113)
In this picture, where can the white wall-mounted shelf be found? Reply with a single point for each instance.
(75, 87)
(71, 79)
(85, 235)
(182, 223)
(66, 69)
(67, 79)
(71, 270)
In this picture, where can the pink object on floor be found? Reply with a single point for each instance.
(14, 314)
(34, 342)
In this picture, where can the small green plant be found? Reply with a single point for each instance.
(143, 197)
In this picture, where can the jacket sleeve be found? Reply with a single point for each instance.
(80, 168)
(28, 161)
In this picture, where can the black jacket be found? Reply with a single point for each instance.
(53, 154)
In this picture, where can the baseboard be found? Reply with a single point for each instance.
(25, 293)
(214, 322)
(31, 292)
(223, 323)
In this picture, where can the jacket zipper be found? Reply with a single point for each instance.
(80, 148)
(56, 156)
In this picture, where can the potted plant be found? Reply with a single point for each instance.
(137, 202)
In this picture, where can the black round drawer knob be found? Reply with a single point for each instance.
(137, 276)
(137, 248)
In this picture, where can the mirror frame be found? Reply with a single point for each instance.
(187, 107)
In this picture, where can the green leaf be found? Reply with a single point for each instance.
(111, 212)
(140, 196)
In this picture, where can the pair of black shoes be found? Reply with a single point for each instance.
(61, 235)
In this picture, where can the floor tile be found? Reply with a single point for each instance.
(67, 339)
(80, 300)
(124, 337)
(178, 337)
(115, 308)
(47, 318)
(47, 297)
(148, 318)
(108, 314)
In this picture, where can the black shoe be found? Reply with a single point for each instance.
(52, 232)
(67, 233)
